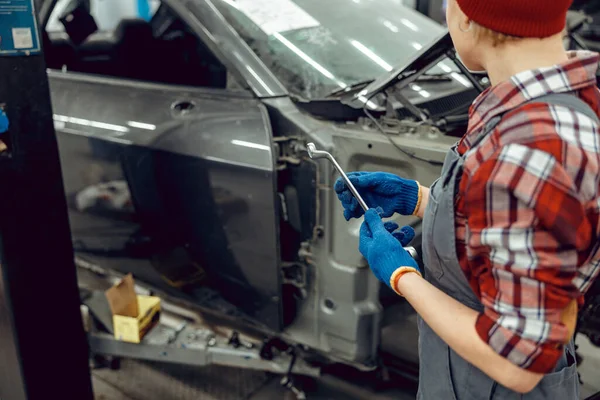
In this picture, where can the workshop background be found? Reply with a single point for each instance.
(131, 380)
(212, 259)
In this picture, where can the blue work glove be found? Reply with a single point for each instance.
(404, 235)
(384, 250)
(379, 189)
(3, 122)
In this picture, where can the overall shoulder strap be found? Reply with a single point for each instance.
(570, 101)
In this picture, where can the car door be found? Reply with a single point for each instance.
(168, 169)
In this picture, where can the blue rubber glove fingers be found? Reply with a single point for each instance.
(365, 243)
(390, 226)
(381, 249)
(388, 191)
(404, 235)
(379, 189)
(351, 207)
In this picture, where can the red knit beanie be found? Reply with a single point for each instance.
(523, 18)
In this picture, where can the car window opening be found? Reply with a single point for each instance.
(161, 50)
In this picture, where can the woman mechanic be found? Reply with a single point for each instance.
(511, 229)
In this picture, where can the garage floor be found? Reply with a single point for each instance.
(153, 381)
(156, 381)
(140, 380)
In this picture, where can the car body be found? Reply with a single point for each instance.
(184, 161)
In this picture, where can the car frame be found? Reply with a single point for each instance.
(333, 305)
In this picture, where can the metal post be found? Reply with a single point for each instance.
(43, 346)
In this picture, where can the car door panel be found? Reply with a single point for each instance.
(174, 185)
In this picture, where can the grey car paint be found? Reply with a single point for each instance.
(230, 133)
(100, 124)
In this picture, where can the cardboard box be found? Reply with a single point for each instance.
(133, 315)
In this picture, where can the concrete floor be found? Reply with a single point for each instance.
(137, 380)
(150, 381)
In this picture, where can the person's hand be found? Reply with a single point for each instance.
(382, 246)
(389, 192)
(404, 235)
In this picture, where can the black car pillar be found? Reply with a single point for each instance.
(43, 347)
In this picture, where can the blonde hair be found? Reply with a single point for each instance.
(497, 38)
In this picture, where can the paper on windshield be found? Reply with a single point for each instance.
(276, 16)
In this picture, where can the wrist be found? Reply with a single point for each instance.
(422, 202)
(419, 199)
(398, 276)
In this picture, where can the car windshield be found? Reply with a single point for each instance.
(316, 47)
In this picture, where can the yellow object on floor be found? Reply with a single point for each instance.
(133, 315)
(133, 329)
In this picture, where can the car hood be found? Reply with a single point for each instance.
(425, 59)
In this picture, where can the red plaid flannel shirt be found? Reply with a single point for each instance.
(528, 210)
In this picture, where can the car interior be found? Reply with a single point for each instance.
(137, 49)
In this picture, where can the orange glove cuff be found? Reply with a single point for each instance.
(419, 198)
(398, 274)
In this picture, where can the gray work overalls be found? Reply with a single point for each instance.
(443, 374)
